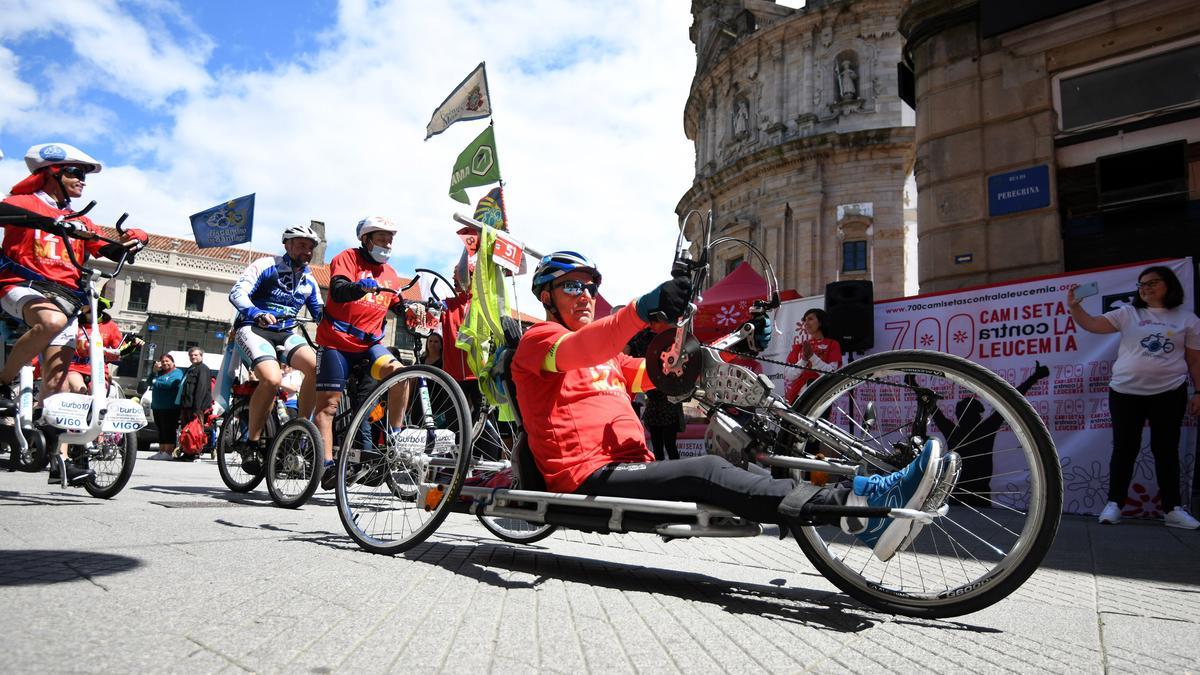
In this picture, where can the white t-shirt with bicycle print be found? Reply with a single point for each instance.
(1150, 356)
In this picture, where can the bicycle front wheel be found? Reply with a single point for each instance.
(402, 461)
(111, 457)
(232, 447)
(294, 463)
(1004, 509)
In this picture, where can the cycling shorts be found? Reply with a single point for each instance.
(334, 365)
(13, 300)
(259, 344)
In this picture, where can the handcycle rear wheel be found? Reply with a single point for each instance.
(999, 526)
(112, 460)
(234, 428)
(430, 449)
(294, 463)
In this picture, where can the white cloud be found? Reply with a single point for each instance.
(588, 111)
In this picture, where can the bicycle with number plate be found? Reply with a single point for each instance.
(962, 558)
(98, 428)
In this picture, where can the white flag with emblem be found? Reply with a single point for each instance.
(468, 101)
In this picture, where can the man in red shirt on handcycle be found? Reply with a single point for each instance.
(573, 387)
(363, 288)
(58, 174)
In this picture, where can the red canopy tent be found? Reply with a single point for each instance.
(727, 304)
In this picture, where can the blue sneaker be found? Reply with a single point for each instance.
(907, 488)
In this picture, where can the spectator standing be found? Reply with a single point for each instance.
(195, 394)
(1160, 344)
(433, 351)
(664, 420)
(290, 383)
(163, 401)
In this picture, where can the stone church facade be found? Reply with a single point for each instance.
(803, 145)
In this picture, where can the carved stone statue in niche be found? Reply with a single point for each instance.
(741, 118)
(846, 78)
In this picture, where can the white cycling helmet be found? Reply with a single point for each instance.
(52, 154)
(301, 232)
(374, 224)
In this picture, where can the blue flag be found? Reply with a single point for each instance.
(226, 224)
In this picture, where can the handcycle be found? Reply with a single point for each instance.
(295, 459)
(295, 456)
(99, 428)
(963, 559)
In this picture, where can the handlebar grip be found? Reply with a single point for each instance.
(120, 222)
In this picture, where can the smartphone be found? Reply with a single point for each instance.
(1086, 290)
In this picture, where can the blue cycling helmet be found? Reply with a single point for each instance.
(560, 263)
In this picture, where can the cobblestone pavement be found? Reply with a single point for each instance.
(177, 574)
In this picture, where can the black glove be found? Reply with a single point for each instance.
(1040, 371)
(668, 302)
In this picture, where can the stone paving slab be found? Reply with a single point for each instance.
(178, 574)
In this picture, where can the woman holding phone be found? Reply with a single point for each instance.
(1160, 345)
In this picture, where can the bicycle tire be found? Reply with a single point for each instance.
(229, 462)
(516, 531)
(34, 458)
(366, 507)
(117, 454)
(294, 463)
(488, 444)
(1016, 534)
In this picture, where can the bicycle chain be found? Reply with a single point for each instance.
(796, 366)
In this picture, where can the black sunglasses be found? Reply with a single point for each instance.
(77, 172)
(575, 288)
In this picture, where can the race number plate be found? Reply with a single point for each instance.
(67, 411)
(123, 416)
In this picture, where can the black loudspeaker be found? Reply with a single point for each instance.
(850, 310)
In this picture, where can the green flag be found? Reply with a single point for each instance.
(477, 165)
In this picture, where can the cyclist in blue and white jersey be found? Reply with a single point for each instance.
(268, 296)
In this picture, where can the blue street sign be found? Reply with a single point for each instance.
(1020, 190)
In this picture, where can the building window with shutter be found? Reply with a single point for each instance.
(195, 300)
(139, 296)
(854, 256)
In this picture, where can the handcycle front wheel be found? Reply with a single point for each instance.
(424, 443)
(235, 425)
(112, 459)
(1004, 510)
(294, 463)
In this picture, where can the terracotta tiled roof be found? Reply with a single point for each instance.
(161, 242)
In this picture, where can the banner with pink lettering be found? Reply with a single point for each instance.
(1014, 327)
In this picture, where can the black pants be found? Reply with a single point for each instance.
(709, 479)
(1130, 413)
(662, 440)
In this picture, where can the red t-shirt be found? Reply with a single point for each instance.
(578, 420)
(826, 350)
(109, 334)
(368, 312)
(41, 251)
(454, 360)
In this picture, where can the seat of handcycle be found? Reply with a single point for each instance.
(526, 475)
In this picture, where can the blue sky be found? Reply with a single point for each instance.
(319, 108)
